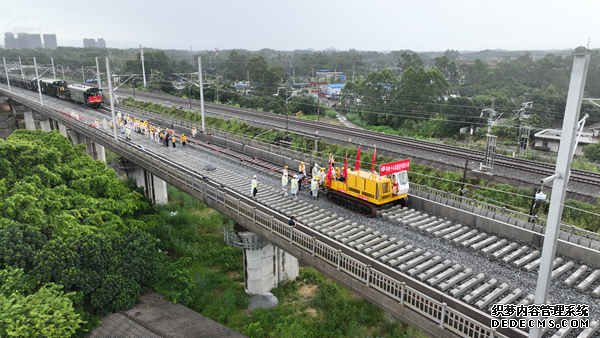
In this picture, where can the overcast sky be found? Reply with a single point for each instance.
(421, 25)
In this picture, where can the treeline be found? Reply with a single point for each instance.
(437, 100)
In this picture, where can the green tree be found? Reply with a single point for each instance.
(25, 312)
(592, 152)
(236, 65)
(410, 59)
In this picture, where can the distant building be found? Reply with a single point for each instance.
(549, 140)
(9, 41)
(29, 41)
(50, 41)
(332, 90)
(327, 76)
(93, 43)
(89, 43)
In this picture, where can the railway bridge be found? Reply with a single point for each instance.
(416, 285)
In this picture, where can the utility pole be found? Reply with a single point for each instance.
(53, 69)
(112, 99)
(37, 78)
(21, 68)
(98, 77)
(490, 150)
(62, 69)
(524, 130)
(143, 66)
(217, 89)
(318, 105)
(216, 79)
(201, 93)
(6, 72)
(287, 115)
(248, 79)
(464, 178)
(190, 90)
(82, 74)
(568, 143)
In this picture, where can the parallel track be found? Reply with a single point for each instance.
(204, 183)
(378, 250)
(535, 167)
(455, 279)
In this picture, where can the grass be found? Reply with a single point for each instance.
(203, 273)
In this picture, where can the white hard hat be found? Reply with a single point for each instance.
(254, 176)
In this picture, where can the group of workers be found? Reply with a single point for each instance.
(165, 136)
(295, 183)
(317, 179)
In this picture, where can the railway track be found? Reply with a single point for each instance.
(456, 280)
(572, 234)
(426, 268)
(534, 167)
(473, 287)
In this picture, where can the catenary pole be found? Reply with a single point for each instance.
(53, 69)
(201, 93)
(37, 78)
(6, 73)
(21, 68)
(568, 142)
(112, 99)
(143, 66)
(98, 77)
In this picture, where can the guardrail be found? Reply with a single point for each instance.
(448, 313)
(569, 232)
(384, 140)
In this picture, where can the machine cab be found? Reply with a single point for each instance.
(400, 183)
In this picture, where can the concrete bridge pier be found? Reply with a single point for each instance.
(265, 265)
(62, 129)
(7, 118)
(45, 125)
(95, 150)
(154, 187)
(29, 121)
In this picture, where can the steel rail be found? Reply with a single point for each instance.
(279, 122)
(476, 323)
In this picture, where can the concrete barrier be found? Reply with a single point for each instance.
(580, 253)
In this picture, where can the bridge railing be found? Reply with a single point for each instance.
(568, 232)
(462, 319)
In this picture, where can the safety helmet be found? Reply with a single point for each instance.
(254, 176)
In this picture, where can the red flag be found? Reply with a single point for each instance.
(357, 164)
(345, 171)
(329, 174)
(373, 159)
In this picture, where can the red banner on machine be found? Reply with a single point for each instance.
(393, 167)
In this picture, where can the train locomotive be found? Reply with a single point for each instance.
(368, 191)
(80, 93)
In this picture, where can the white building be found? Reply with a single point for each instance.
(549, 140)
